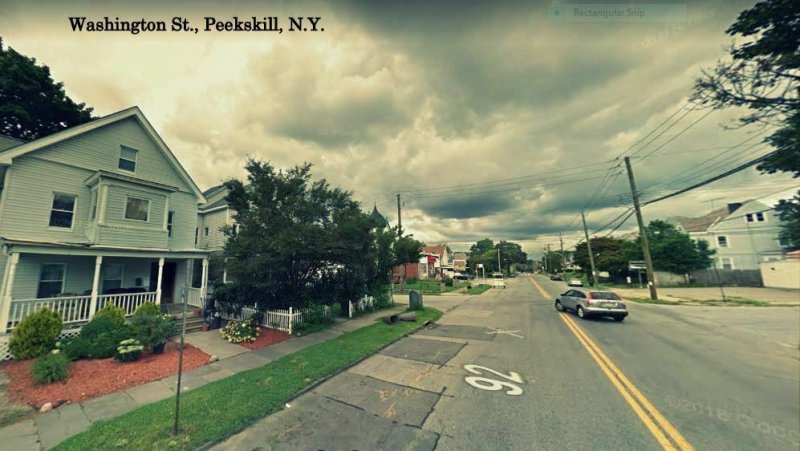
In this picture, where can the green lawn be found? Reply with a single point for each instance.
(221, 408)
(478, 289)
(425, 286)
(729, 301)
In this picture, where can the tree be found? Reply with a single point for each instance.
(407, 250)
(481, 247)
(763, 74)
(610, 254)
(510, 253)
(299, 241)
(673, 250)
(32, 105)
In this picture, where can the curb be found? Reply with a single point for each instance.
(319, 382)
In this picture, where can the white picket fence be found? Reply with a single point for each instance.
(277, 319)
(361, 305)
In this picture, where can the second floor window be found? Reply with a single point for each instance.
(722, 241)
(755, 217)
(170, 215)
(63, 210)
(137, 209)
(127, 159)
(206, 231)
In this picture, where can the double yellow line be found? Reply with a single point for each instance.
(664, 432)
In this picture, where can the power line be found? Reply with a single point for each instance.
(741, 167)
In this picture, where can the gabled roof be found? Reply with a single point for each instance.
(213, 190)
(9, 154)
(7, 142)
(438, 250)
(217, 203)
(703, 223)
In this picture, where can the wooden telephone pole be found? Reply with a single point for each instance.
(589, 250)
(648, 260)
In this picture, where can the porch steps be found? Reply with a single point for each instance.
(193, 323)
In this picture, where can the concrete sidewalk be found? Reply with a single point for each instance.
(771, 295)
(46, 430)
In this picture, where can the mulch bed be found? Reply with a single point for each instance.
(89, 378)
(266, 337)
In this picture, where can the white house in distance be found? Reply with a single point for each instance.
(744, 234)
(98, 213)
(213, 216)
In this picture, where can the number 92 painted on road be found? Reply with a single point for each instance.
(486, 383)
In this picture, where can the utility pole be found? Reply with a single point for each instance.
(499, 268)
(561, 258)
(549, 258)
(648, 260)
(589, 250)
(399, 219)
(544, 258)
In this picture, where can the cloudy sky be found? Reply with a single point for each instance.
(491, 121)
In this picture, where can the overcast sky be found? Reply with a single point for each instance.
(523, 110)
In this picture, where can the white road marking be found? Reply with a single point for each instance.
(496, 331)
(485, 383)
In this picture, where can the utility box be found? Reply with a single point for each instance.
(415, 300)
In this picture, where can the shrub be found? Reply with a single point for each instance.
(35, 335)
(75, 349)
(103, 335)
(448, 282)
(117, 314)
(152, 330)
(239, 332)
(97, 326)
(257, 318)
(128, 350)
(148, 308)
(50, 368)
(412, 280)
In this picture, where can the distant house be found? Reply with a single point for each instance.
(744, 234)
(98, 213)
(213, 217)
(438, 260)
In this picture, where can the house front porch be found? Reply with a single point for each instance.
(77, 281)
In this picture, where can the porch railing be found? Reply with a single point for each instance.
(126, 301)
(195, 297)
(75, 309)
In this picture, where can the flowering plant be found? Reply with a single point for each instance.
(128, 350)
(239, 331)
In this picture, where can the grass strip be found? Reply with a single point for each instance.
(478, 289)
(221, 408)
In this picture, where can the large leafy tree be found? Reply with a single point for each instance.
(672, 250)
(32, 105)
(610, 255)
(406, 250)
(300, 241)
(511, 253)
(762, 73)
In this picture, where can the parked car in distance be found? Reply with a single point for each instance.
(498, 281)
(575, 283)
(555, 277)
(462, 276)
(592, 303)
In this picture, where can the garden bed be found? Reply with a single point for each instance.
(266, 337)
(89, 378)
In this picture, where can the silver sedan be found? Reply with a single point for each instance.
(588, 303)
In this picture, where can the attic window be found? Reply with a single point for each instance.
(127, 159)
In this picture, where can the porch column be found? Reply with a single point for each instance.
(204, 282)
(98, 263)
(158, 283)
(8, 287)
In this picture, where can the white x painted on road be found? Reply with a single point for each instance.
(496, 331)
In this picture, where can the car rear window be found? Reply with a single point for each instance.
(607, 295)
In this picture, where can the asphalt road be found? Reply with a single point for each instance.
(504, 370)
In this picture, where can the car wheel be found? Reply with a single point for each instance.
(581, 313)
(560, 306)
(619, 318)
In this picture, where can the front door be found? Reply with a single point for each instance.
(167, 281)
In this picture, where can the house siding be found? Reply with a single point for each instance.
(78, 275)
(749, 243)
(215, 221)
(100, 150)
(29, 197)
